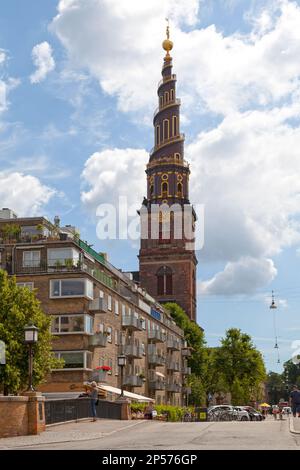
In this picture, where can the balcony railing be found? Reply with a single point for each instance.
(156, 336)
(131, 322)
(98, 306)
(173, 345)
(173, 387)
(166, 79)
(167, 141)
(133, 381)
(186, 370)
(157, 384)
(177, 102)
(186, 390)
(156, 360)
(132, 350)
(186, 352)
(172, 365)
(98, 339)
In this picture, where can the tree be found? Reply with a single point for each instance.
(18, 307)
(275, 387)
(241, 366)
(291, 373)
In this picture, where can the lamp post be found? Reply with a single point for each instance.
(122, 364)
(31, 337)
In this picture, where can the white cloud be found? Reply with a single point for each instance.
(25, 194)
(111, 173)
(6, 84)
(243, 276)
(43, 60)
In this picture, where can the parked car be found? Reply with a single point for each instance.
(253, 413)
(227, 413)
(287, 410)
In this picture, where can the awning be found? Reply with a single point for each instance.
(117, 391)
(160, 374)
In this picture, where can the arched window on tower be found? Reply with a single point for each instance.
(157, 135)
(179, 190)
(172, 94)
(161, 101)
(166, 97)
(164, 189)
(164, 281)
(174, 126)
(166, 130)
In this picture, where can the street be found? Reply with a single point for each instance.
(155, 435)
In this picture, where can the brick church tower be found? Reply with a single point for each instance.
(167, 263)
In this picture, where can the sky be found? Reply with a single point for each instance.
(78, 82)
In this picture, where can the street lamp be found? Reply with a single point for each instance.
(122, 364)
(31, 337)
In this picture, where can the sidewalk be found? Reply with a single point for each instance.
(80, 431)
(296, 423)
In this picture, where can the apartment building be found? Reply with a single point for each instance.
(97, 313)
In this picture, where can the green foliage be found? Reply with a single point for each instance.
(275, 387)
(172, 413)
(18, 307)
(241, 366)
(291, 373)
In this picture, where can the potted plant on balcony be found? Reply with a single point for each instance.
(99, 373)
(58, 264)
(69, 264)
(142, 376)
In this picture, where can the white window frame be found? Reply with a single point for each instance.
(33, 263)
(110, 333)
(84, 332)
(29, 285)
(85, 353)
(85, 294)
(117, 307)
(109, 303)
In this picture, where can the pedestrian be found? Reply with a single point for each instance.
(148, 411)
(276, 411)
(295, 401)
(94, 400)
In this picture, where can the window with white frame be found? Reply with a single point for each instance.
(28, 285)
(110, 363)
(75, 359)
(101, 294)
(71, 288)
(109, 303)
(143, 321)
(72, 324)
(123, 310)
(116, 367)
(116, 337)
(62, 256)
(31, 259)
(116, 307)
(109, 334)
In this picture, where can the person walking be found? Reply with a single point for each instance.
(295, 401)
(276, 412)
(94, 400)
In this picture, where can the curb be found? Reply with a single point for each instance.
(292, 429)
(46, 443)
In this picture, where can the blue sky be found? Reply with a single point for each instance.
(78, 85)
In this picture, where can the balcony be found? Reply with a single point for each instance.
(174, 366)
(177, 102)
(98, 306)
(156, 360)
(156, 336)
(186, 370)
(157, 384)
(98, 340)
(176, 138)
(132, 350)
(166, 79)
(173, 387)
(131, 322)
(173, 345)
(186, 352)
(133, 381)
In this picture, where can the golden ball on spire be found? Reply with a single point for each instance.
(167, 45)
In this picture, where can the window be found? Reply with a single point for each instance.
(116, 367)
(179, 189)
(110, 364)
(143, 321)
(123, 310)
(157, 135)
(116, 307)
(109, 303)
(31, 259)
(71, 288)
(164, 281)
(116, 337)
(164, 189)
(72, 324)
(62, 256)
(161, 101)
(109, 334)
(29, 285)
(166, 132)
(75, 359)
(172, 94)
(166, 97)
(101, 294)
(174, 126)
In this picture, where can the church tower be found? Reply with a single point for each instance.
(168, 261)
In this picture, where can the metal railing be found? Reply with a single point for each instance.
(169, 104)
(173, 345)
(186, 352)
(132, 322)
(157, 385)
(133, 381)
(60, 411)
(98, 339)
(173, 387)
(132, 350)
(156, 336)
(186, 370)
(172, 365)
(166, 79)
(176, 138)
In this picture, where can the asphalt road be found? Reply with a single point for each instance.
(155, 435)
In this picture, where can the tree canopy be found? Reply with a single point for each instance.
(19, 307)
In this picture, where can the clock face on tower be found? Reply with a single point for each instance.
(167, 268)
